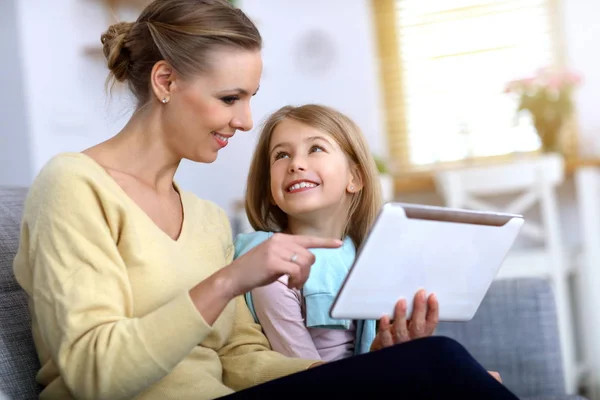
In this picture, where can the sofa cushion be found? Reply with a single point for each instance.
(11, 206)
(18, 359)
(515, 332)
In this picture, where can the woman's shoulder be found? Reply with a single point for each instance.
(67, 181)
(69, 169)
(244, 242)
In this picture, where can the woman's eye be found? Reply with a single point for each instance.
(229, 100)
(316, 148)
(281, 154)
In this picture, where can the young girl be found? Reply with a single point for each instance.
(312, 174)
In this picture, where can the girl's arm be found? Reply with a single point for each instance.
(279, 311)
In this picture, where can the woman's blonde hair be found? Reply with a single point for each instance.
(182, 32)
(365, 205)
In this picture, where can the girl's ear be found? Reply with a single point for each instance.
(355, 183)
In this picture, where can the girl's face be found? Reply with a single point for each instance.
(310, 174)
(204, 113)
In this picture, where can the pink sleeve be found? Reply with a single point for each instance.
(279, 311)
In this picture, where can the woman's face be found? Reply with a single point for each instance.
(204, 113)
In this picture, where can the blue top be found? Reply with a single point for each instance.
(325, 280)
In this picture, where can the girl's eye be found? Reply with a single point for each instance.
(316, 148)
(229, 100)
(280, 155)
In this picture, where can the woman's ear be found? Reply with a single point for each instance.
(355, 183)
(161, 79)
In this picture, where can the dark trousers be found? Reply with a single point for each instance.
(430, 368)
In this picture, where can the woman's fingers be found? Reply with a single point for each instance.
(281, 254)
(310, 242)
(296, 263)
(399, 327)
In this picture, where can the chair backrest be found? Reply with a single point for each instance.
(515, 332)
(529, 181)
(18, 358)
(493, 179)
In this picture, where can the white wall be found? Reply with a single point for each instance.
(15, 166)
(68, 110)
(582, 39)
(65, 107)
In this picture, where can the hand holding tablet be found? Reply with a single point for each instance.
(423, 323)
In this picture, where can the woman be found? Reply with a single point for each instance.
(133, 292)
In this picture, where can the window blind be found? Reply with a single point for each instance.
(453, 60)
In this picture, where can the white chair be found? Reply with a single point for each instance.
(527, 182)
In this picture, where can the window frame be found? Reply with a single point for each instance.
(412, 177)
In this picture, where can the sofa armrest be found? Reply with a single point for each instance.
(515, 332)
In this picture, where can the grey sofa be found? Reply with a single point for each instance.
(514, 331)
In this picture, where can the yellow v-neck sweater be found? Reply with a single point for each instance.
(111, 314)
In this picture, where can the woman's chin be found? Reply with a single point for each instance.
(204, 157)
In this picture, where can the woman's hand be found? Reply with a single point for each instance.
(281, 254)
(422, 324)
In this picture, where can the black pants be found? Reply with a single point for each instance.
(430, 368)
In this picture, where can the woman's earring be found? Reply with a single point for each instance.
(165, 100)
(352, 188)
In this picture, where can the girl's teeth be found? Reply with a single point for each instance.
(301, 185)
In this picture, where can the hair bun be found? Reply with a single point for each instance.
(117, 55)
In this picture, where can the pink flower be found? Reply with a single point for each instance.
(552, 79)
(555, 82)
(572, 78)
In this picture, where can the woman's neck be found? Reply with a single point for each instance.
(139, 150)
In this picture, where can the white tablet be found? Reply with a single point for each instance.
(453, 253)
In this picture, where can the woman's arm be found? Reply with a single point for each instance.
(279, 311)
(247, 357)
(82, 298)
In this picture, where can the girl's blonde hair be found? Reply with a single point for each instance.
(264, 215)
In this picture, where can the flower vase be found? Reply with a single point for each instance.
(550, 139)
(549, 126)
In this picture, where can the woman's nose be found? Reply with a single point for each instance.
(243, 120)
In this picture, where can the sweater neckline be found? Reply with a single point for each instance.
(135, 206)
